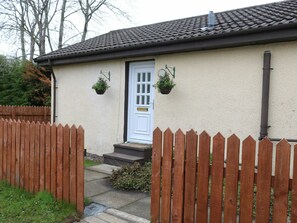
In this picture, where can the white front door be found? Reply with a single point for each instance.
(140, 102)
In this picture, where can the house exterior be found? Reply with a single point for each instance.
(218, 75)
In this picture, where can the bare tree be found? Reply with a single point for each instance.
(36, 24)
(92, 8)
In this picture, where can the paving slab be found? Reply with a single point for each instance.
(126, 216)
(93, 175)
(139, 208)
(118, 199)
(103, 168)
(97, 187)
(93, 219)
(110, 218)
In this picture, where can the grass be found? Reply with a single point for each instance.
(17, 205)
(88, 163)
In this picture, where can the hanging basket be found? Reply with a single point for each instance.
(165, 90)
(101, 91)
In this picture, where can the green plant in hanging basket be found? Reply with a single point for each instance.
(100, 86)
(164, 84)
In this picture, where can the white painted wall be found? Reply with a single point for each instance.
(218, 90)
(221, 90)
(102, 116)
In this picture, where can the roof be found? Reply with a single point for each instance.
(257, 24)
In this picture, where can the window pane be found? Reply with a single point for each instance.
(143, 77)
(138, 77)
(142, 99)
(143, 88)
(138, 88)
(148, 88)
(137, 100)
(147, 100)
(148, 76)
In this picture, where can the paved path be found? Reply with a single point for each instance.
(113, 205)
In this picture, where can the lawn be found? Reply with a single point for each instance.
(17, 205)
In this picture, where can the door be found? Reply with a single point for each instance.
(141, 102)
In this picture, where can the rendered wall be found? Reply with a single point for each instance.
(221, 90)
(218, 90)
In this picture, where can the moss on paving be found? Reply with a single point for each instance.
(88, 163)
(17, 205)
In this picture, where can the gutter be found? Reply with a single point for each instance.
(54, 90)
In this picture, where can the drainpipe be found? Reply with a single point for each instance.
(265, 95)
(54, 90)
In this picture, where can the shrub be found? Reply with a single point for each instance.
(133, 177)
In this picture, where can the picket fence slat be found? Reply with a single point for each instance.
(32, 154)
(167, 177)
(54, 160)
(26, 113)
(80, 169)
(264, 181)
(156, 175)
(178, 177)
(294, 188)
(60, 162)
(48, 157)
(217, 175)
(5, 127)
(8, 158)
(36, 157)
(281, 187)
(202, 179)
(230, 204)
(1, 147)
(17, 152)
(190, 176)
(39, 156)
(66, 169)
(247, 180)
(42, 158)
(27, 155)
(73, 155)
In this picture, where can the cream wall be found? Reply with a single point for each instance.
(218, 90)
(102, 116)
(221, 90)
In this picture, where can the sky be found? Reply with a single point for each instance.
(144, 12)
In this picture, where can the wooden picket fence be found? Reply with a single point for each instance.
(43, 157)
(26, 113)
(190, 188)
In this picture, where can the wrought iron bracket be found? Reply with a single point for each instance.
(167, 69)
(105, 74)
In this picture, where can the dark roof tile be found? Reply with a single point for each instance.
(233, 21)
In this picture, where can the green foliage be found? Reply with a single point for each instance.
(133, 177)
(23, 83)
(17, 205)
(100, 85)
(88, 163)
(164, 82)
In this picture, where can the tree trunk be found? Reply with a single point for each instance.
(62, 20)
(22, 31)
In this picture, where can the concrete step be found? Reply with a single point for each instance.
(134, 149)
(120, 159)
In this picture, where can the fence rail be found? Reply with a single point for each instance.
(26, 113)
(201, 191)
(43, 157)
